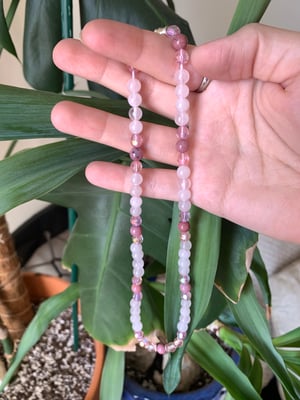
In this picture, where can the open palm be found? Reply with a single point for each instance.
(244, 144)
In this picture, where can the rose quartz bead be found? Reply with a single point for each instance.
(182, 56)
(182, 146)
(182, 90)
(183, 132)
(135, 113)
(182, 75)
(179, 42)
(136, 166)
(135, 99)
(136, 288)
(137, 140)
(183, 226)
(136, 153)
(183, 172)
(134, 85)
(172, 30)
(136, 127)
(160, 348)
(183, 159)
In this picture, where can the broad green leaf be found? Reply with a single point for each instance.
(210, 355)
(289, 339)
(146, 14)
(112, 379)
(32, 173)
(251, 319)
(232, 339)
(26, 113)
(102, 230)
(205, 231)
(41, 33)
(236, 252)
(247, 12)
(47, 311)
(5, 38)
(256, 375)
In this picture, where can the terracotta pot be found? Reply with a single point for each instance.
(45, 286)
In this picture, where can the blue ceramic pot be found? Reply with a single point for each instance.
(133, 391)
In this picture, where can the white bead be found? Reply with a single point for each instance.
(138, 272)
(185, 254)
(136, 127)
(135, 113)
(136, 190)
(135, 99)
(182, 90)
(182, 119)
(135, 211)
(182, 104)
(136, 247)
(136, 178)
(184, 205)
(184, 195)
(134, 85)
(182, 75)
(182, 326)
(186, 244)
(183, 172)
(136, 201)
(184, 184)
(137, 326)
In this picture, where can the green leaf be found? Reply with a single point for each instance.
(25, 113)
(9, 18)
(102, 230)
(289, 339)
(112, 379)
(237, 248)
(210, 355)
(32, 173)
(5, 38)
(247, 12)
(41, 33)
(47, 311)
(256, 329)
(205, 231)
(259, 269)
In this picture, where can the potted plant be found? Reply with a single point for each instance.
(99, 240)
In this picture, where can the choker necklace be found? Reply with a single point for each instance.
(179, 43)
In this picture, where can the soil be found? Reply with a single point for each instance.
(52, 370)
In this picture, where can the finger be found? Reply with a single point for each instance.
(75, 58)
(145, 50)
(157, 183)
(255, 51)
(112, 130)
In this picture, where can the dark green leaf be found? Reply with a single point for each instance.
(112, 379)
(5, 38)
(47, 311)
(205, 230)
(32, 173)
(102, 230)
(25, 113)
(261, 274)
(251, 319)
(246, 12)
(256, 375)
(210, 355)
(41, 33)
(237, 247)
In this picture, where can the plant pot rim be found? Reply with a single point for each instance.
(44, 286)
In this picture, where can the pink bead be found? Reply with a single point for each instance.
(179, 42)
(136, 221)
(136, 166)
(183, 132)
(183, 226)
(137, 140)
(136, 280)
(136, 289)
(136, 153)
(136, 231)
(182, 146)
(160, 348)
(185, 288)
(183, 159)
(184, 216)
(182, 56)
(172, 30)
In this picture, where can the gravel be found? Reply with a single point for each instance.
(52, 370)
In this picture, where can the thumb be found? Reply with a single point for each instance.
(254, 52)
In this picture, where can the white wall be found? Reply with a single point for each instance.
(209, 19)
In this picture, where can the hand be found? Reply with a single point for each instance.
(245, 128)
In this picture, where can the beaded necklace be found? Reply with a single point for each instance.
(179, 43)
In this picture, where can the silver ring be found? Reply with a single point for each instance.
(203, 85)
